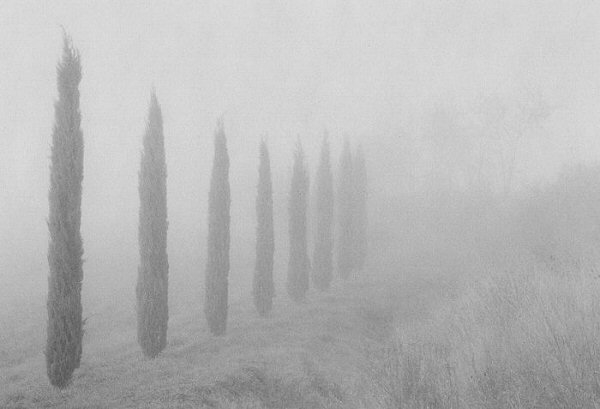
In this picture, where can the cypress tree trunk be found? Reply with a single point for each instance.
(65, 251)
(323, 253)
(152, 288)
(217, 267)
(263, 289)
(345, 245)
(299, 264)
(360, 210)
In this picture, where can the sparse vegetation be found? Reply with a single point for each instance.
(516, 340)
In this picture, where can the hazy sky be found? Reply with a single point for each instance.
(368, 70)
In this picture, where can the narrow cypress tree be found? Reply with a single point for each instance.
(65, 251)
(263, 289)
(323, 253)
(299, 264)
(345, 245)
(217, 266)
(360, 210)
(152, 288)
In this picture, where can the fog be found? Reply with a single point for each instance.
(464, 95)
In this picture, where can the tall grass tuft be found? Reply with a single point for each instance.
(516, 340)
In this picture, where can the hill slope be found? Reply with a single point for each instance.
(302, 356)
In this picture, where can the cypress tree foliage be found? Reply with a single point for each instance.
(360, 209)
(65, 251)
(323, 252)
(263, 289)
(299, 264)
(152, 288)
(345, 201)
(217, 267)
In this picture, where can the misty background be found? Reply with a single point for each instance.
(490, 99)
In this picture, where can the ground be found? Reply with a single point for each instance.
(310, 355)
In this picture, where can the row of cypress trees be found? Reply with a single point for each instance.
(352, 224)
(152, 287)
(65, 324)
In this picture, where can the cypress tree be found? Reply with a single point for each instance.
(217, 266)
(345, 201)
(263, 289)
(323, 252)
(153, 272)
(299, 264)
(360, 210)
(65, 250)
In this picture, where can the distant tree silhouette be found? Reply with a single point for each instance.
(217, 267)
(360, 210)
(65, 326)
(323, 252)
(263, 289)
(299, 264)
(152, 288)
(345, 205)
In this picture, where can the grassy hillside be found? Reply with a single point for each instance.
(526, 340)
(304, 356)
(508, 340)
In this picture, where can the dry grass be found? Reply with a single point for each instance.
(302, 356)
(515, 340)
(526, 340)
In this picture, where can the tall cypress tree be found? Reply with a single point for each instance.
(263, 289)
(360, 209)
(65, 251)
(152, 288)
(217, 266)
(323, 252)
(345, 201)
(299, 264)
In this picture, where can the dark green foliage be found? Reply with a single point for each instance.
(65, 251)
(217, 266)
(153, 272)
(360, 210)
(299, 264)
(323, 253)
(345, 201)
(263, 289)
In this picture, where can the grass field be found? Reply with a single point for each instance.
(525, 340)
(312, 355)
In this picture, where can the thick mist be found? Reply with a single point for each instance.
(489, 97)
